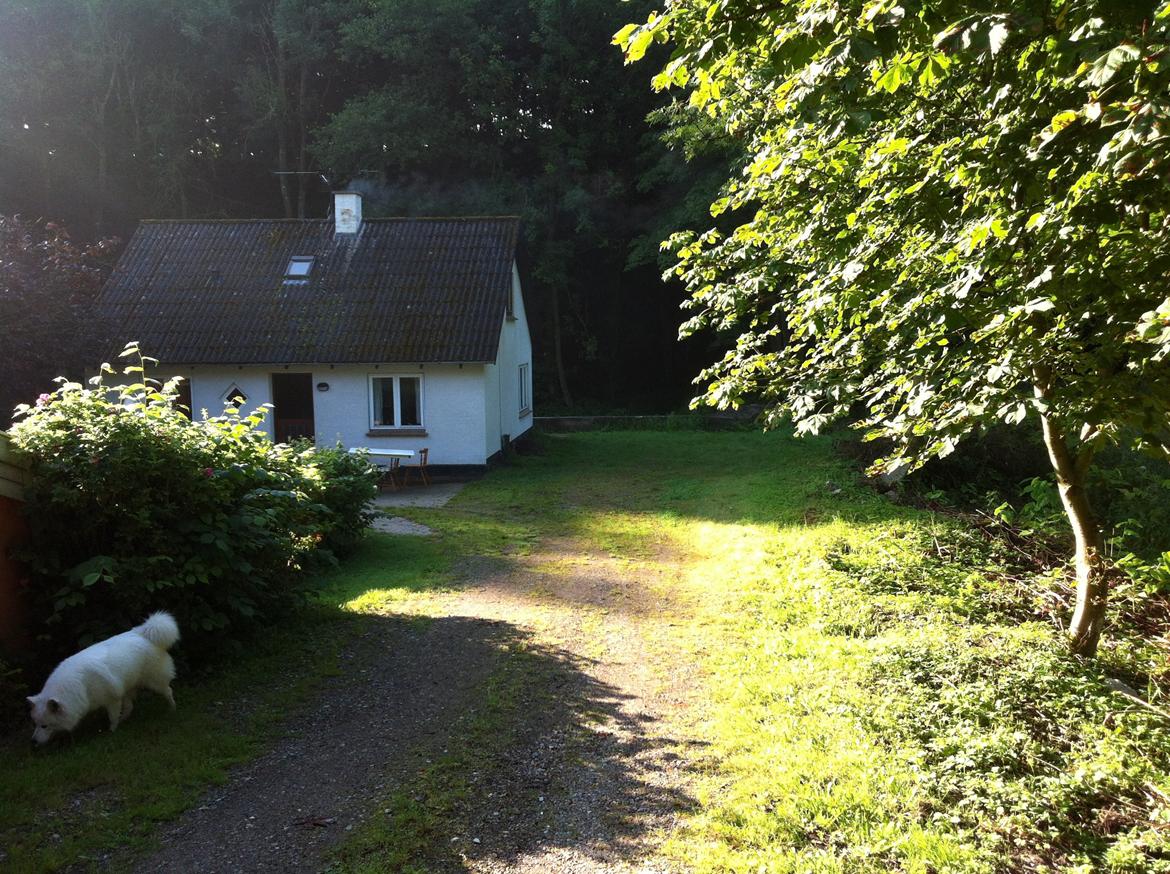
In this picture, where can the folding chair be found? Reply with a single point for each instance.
(421, 467)
(392, 466)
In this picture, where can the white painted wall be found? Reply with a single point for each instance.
(453, 404)
(515, 349)
(210, 384)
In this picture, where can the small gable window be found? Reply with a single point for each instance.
(233, 397)
(299, 268)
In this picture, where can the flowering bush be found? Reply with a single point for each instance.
(132, 507)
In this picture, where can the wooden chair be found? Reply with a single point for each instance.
(421, 467)
(392, 466)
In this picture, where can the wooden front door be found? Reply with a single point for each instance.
(292, 400)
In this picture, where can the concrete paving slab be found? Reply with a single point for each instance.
(436, 495)
(398, 525)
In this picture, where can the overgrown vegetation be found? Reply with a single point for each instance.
(132, 508)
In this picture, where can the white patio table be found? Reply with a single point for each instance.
(384, 453)
(392, 458)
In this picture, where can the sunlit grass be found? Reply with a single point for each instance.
(869, 700)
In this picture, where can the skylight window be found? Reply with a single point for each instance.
(299, 267)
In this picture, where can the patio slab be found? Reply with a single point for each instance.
(398, 525)
(436, 495)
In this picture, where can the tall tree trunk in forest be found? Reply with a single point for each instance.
(303, 135)
(103, 151)
(280, 110)
(282, 166)
(557, 353)
(47, 181)
(1093, 570)
(103, 173)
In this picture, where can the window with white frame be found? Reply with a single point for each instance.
(395, 402)
(524, 404)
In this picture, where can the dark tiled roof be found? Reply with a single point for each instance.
(400, 290)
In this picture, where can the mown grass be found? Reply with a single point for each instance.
(876, 692)
(879, 694)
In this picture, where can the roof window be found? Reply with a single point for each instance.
(298, 269)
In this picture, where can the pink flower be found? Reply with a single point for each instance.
(208, 472)
(43, 399)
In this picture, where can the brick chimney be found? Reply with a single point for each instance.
(347, 212)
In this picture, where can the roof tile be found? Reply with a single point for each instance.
(399, 290)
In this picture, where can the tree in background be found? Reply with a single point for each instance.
(515, 106)
(117, 110)
(952, 214)
(47, 286)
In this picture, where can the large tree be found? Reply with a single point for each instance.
(48, 282)
(517, 106)
(952, 215)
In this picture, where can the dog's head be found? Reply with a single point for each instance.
(49, 717)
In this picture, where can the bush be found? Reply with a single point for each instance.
(132, 507)
(13, 689)
(348, 484)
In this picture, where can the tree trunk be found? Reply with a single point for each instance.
(1093, 570)
(281, 120)
(303, 135)
(557, 354)
(99, 212)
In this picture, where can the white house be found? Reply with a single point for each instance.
(392, 333)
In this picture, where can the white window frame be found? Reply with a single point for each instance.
(397, 377)
(525, 400)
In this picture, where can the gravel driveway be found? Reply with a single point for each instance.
(593, 782)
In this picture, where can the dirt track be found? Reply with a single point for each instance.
(592, 782)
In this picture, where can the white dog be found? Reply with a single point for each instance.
(107, 675)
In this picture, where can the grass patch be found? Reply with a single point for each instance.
(882, 687)
(878, 688)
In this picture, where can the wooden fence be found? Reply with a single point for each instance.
(13, 476)
(13, 472)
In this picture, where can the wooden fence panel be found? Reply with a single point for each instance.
(14, 635)
(13, 472)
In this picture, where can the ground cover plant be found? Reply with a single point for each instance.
(876, 687)
(133, 507)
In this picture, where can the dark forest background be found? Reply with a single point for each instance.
(117, 110)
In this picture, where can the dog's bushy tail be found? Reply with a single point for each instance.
(160, 629)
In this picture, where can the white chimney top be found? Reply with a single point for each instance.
(347, 211)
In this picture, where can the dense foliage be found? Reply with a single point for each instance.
(48, 282)
(132, 508)
(953, 214)
(117, 110)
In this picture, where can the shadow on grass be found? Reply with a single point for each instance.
(546, 761)
(449, 727)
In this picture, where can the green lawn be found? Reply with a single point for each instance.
(876, 692)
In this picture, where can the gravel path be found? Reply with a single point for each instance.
(593, 782)
(398, 691)
(597, 780)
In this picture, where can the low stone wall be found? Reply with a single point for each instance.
(697, 422)
(13, 473)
